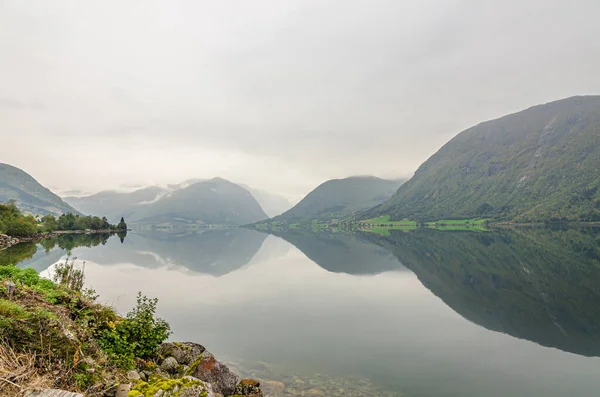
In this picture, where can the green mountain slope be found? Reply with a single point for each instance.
(339, 198)
(215, 201)
(30, 196)
(536, 165)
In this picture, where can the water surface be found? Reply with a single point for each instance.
(421, 313)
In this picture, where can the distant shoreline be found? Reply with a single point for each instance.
(7, 241)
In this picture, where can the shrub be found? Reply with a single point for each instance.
(68, 276)
(137, 336)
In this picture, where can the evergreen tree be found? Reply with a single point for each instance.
(122, 225)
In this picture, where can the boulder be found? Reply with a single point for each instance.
(248, 387)
(118, 390)
(185, 353)
(187, 386)
(169, 365)
(133, 375)
(208, 369)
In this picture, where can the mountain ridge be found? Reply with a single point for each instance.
(539, 164)
(29, 194)
(337, 198)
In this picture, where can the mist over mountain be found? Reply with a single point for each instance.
(273, 204)
(29, 194)
(214, 201)
(535, 165)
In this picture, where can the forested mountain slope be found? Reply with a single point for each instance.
(536, 165)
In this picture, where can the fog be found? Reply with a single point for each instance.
(279, 95)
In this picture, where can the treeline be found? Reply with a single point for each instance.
(14, 223)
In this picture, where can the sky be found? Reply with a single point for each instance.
(278, 95)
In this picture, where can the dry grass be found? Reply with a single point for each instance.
(18, 372)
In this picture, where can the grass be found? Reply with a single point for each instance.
(383, 225)
(385, 220)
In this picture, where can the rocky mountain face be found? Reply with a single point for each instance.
(29, 194)
(540, 164)
(338, 198)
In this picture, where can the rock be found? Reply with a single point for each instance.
(169, 365)
(123, 390)
(248, 387)
(272, 387)
(52, 393)
(208, 369)
(133, 375)
(117, 390)
(315, 392)
(185, 353)
(187, 386)
(10, 288)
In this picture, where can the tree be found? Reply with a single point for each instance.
(122, 225)
(49, 223)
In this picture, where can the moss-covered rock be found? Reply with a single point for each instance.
(249, 388)
(184, 352)
(162, 387)
(207, 368)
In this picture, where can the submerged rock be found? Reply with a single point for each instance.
(272, 387)
(249, 388)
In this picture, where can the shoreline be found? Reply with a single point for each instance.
(7, 241)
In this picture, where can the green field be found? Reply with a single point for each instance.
(382, 225)
(385, 220)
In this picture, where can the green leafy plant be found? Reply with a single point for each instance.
(67, 275)
(137, 336)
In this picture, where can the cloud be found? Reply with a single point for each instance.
(278, 95)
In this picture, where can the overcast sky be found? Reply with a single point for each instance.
(280, 95)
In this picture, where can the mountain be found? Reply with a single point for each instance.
(339, 198)
(30, 196)
(536, 284)
(536, 165)
(214, 201)
(272, 204)
(114, 205)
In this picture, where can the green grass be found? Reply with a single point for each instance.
(383, 225)
(385, 220)
(455, 222)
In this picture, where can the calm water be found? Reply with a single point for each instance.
(422, 313)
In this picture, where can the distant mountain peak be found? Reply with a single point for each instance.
(339, 198)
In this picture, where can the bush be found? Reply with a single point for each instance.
(137, 336)
(68, 276)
